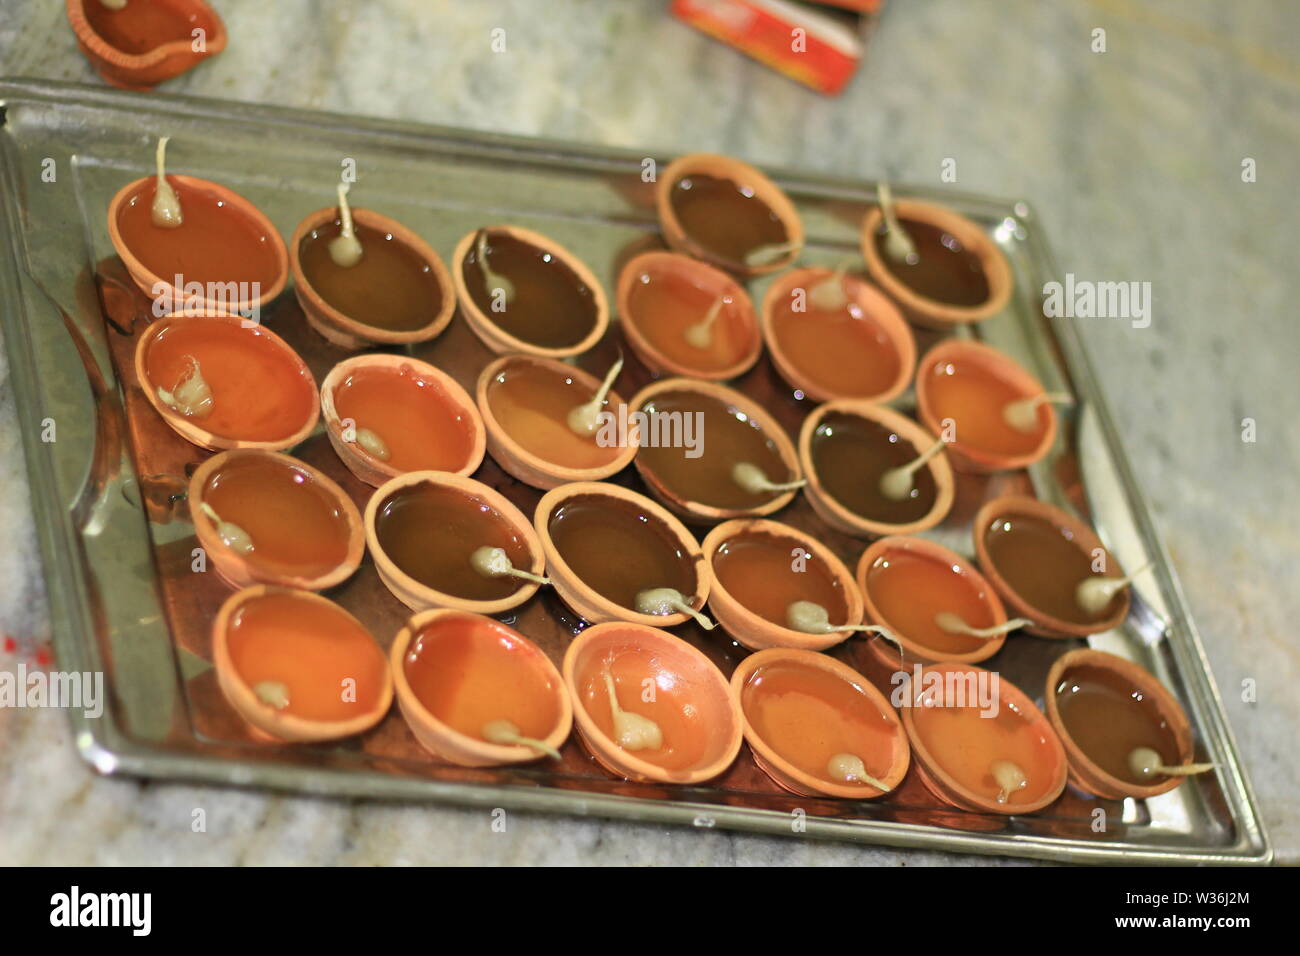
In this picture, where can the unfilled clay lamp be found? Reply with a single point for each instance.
(476, 692)
(684, 317)
(137, 45)
(527, 404)
(267, 518)
(221, 383)
(386, 415)
(680, 724)
(423, 529)
(523, 292)
(364, 279)
(196, 244)
(297, 666)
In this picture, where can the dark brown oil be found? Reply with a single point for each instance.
(942, 269)
(551, 307)
(850, 454)
(1043, 564)
(760, 571)
(725, 217)
(1108, 718)
(618, 549)
(430, 531)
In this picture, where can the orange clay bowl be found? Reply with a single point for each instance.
(236, 569)
(724, 167)
(366, 466)
(840, 517)
(771, 428)
(738, 314)
(265, 719)
(259, 337)
(677, 666)
(967, 457)
(940, 783)
(449, 744)
(518, 461)
(498, 339)
(590, 604)
(421, 597)
(1085, 774)
(148, 283)
(348, 333)
(924, 311)
(874, 305)
(914, 652)
(786, 774)
(755, 631)
(1045, 625)
(144, 71)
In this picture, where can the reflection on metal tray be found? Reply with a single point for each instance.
(116, 552)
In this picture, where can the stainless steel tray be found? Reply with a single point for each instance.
(106, 540)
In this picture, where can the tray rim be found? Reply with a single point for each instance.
(106, 748)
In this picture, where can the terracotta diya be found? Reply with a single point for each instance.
(934, 602)
(817, 727)
(683, 317)
(955, 273)
(1039, 557)
(521, 291)
(980, 743)
(868, 473)
(297, 666)
(443, 541)
(476, 692)
(1000, 415)
(710, 453)
(271, 519)
(389, 414)
(727, 212)
(221, 382)
(615, 555)
(762, 569)
(136, 45)
(388, 287)
(649, 706)
(831, 335)
(543, 421)
(191, 243)
(1108, 711)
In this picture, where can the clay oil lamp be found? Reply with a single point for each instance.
(224, 253)
(521, 291)
(362, 278)
(137, 45)
(615, 555)
(934, 603)
(445, 541)
(1001, 417)
(222, 383)
(1125, 734)
(941, 268)
(297, 666)
(979, 742)
(389, 414)
(872, 471)
(731, 458)
(477, 693)
(831, 335)
(728, 213)
(271, 519)
(683, 317)
(766, 576)
(1049, 567)
(817, 727)
(650, 707)
(544, 424)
